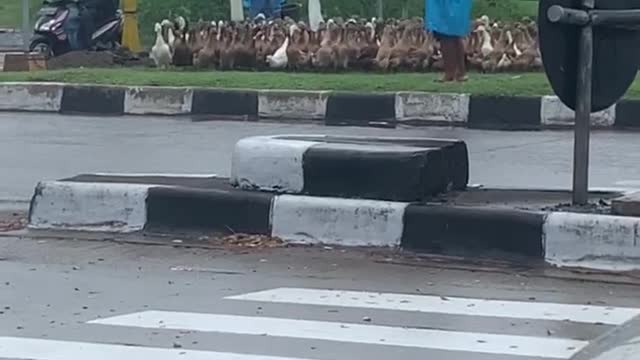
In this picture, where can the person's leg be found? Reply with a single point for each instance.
(461, 66)
(448, 50)
(72, 27)
(86, 28)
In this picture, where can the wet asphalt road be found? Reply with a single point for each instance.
(36, 147)
(50, 290)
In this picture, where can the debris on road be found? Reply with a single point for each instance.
(251, 241)
(13, 221)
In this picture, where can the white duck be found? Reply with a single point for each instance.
(505, 63)
(160, 52)
(171, 37)
(279, 59)
(293, 28)
(486, 48)
(484, 20)
(513, 44)
(221, 26)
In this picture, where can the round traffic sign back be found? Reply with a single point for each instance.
(616, 54)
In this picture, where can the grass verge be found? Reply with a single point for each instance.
(487, 84)
(11, 12)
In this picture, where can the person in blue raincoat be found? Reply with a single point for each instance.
(450, 21)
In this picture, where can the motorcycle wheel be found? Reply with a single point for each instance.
(41, 45)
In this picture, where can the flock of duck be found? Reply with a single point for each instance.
(355, 44)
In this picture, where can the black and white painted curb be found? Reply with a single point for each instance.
(397, 169)
(120, 203)
(330, 108)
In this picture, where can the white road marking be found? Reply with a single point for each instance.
(40, 349)
(436, 304)
(353, 333)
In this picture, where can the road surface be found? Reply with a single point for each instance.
(36, 147)
(69, 299)
(75, 300)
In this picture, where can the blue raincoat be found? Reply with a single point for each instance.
(448, 17)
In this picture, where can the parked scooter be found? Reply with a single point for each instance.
(51, 39)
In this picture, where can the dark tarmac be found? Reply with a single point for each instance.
(60, 294)
(36, 147)
(50, 289)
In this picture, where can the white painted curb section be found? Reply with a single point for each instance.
(345, 222)
(268, 163)
(593, 241)
(450, 108)
(158, 100)
(31, 97)
(554, 112)
(89, 206)
(306, 105)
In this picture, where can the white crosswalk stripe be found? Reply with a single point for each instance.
(347, 332)
(497, 341)
(436, 304)
(40, 349)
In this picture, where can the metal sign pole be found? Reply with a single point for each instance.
(583, 113)
(237, 10)
(314, 10)
(26, 25)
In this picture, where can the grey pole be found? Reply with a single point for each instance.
(380, 9)
(26, 25)
(237, 11)
(583, 113)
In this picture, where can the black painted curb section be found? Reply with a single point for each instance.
(102, 100)
(454, 153)
(360, 109)
(225, 102)
(456, 157)
(504, 112)
(460, 230)
(222, 211)
(331, 170)
(628, 114)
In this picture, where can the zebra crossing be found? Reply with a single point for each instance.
(499, 343)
